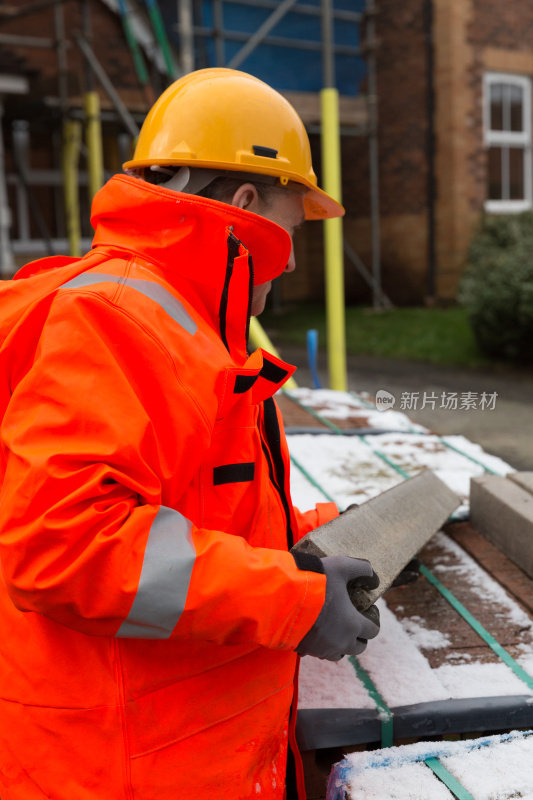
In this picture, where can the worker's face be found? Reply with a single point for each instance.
(284, 207)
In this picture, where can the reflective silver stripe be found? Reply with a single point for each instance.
(166, 572)
(170, 304)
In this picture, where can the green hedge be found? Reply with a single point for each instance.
(497, 286)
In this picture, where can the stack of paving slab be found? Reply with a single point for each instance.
(349, 468)
(502, 510)
(431, 669)
(492, 768)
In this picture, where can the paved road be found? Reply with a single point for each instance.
(505, 430)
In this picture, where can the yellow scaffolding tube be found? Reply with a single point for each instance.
(259, 338)
(333, 241)
(93, 141)
(69, 165)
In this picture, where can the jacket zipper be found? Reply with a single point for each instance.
(276, 468)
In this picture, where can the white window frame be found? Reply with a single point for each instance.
(510, 138)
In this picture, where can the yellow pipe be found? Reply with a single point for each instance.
(259, 338)
(333, 241)
(93, 139)
(69, 164)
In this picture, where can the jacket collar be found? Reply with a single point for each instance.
(211, 252)
(166, 227)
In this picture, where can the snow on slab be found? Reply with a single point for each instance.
(383, 758)
(348, 470)
(338, 402)
(330, 684)
(351, 471)
(341, 405)
(480, 680)
(399, 670)
(398, 667)
(465, 569)
(343, 465)
(491, 768)
(499, 772)
(499, 768)
(408, 782)
(392, 660)
(423, 637)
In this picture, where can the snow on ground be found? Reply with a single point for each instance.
(491, 768)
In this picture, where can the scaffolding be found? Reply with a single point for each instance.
(170, 37)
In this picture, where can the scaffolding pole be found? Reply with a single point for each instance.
(261, 32)
(93, 126)
(186, 24)
(373, 156)
(70, 159)
(333, 237)
(7, 262)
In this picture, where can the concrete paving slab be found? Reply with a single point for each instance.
(503, 512)
(388, 530)
(523, 479)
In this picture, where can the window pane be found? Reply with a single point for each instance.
(495, 173)
(516, 102)
(496, 106)
(516, 173)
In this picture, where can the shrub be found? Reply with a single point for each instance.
(497, 286)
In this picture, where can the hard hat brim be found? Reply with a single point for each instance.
(320, 205)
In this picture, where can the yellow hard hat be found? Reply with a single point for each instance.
(229, 120)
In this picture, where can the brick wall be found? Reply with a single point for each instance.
(469, 38)
(402, 89)
(472, 37)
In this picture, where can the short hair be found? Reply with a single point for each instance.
(222, 187)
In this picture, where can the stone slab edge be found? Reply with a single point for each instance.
(502, 511)
(523, 479)
(388, 530)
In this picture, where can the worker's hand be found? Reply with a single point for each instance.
(340, 629)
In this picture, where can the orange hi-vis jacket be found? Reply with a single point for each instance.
(149, 607)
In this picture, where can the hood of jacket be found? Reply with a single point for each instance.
(188, 237)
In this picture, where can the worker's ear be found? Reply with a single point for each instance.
(246, 197)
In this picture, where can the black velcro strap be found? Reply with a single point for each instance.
(234, 473)
(271, 372)
(308, 562)
(243, 383)
(267, 152)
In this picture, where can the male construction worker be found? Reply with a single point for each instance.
(150, 610)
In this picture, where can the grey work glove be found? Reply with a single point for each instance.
(340, 629)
